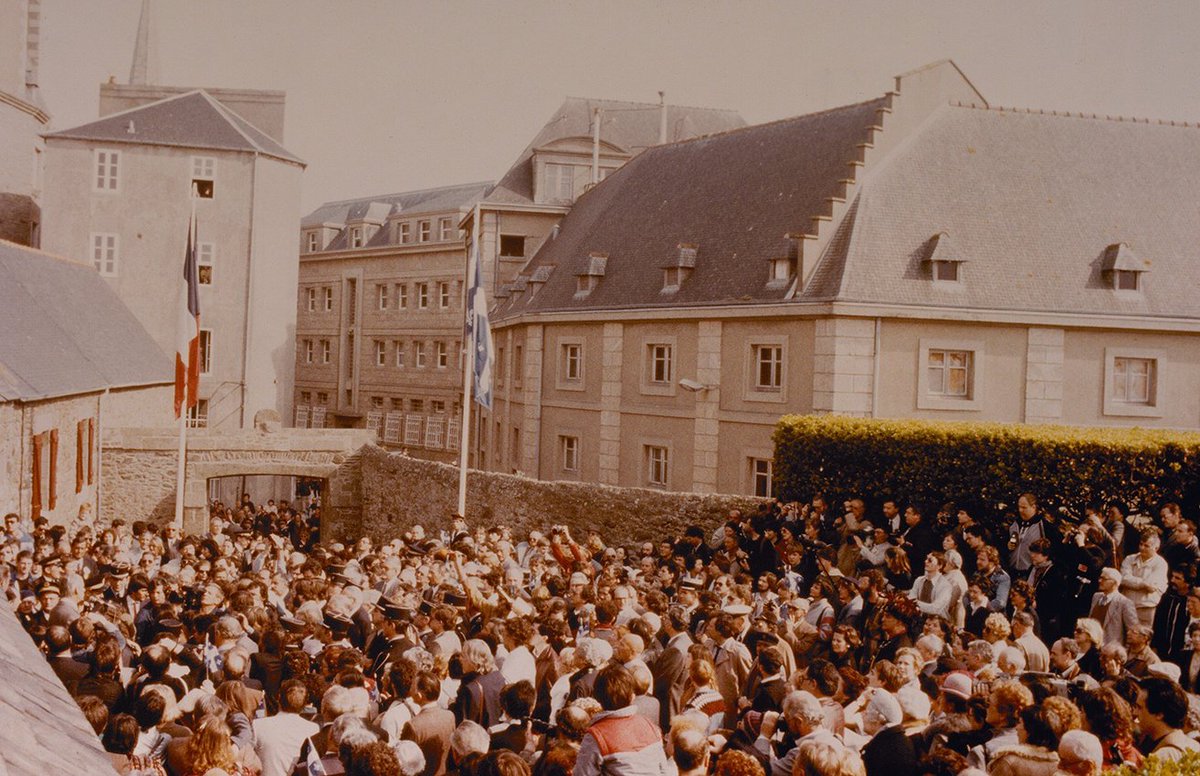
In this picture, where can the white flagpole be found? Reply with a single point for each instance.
(183, 410)
(468, 363)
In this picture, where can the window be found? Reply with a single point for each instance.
(501, 367)
(438, 406)
(512, 246)
(326, 351)
(380, 353)
(570, 365)
(1126, 280)
(327, 298)
(197, 416)
(356, 237)
(83, 454)
(306, 397)
(444, 295)
(782, 270)
(402, 296)
(422, 296)
(205, 351)
(107, 167)
(570, 453)
(204, 262)
(560, 182)
(440, 355)
(518, 365)
(311, 295)
(761, 470)
(399, 346)
(949, 373)
(404, 233)
(416, 405)
(308, 351)
(419, 354)
(445, 229)
(312, 241)
(322, 399)
(945, 271)
(1132, 378)
(382, 296)
(104, 253)
(659, 358)
(397, 403)
(768, 368)
(657, 465)
(423, 228)
(376, 402)
(204, 175)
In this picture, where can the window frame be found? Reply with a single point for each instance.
(753, 459)
(564, 380)
(422, 296)
(203, 170)
(312, 241)
(569, 445)
(401, 296)
(1152, 408)
(110, 175)
(205, 351)
(383, 297)
(445, 229)
(311, 298)
(972, 402)
(108, 266)
(650, 385)
(399, 357)
(441, 354)
(326, 351)
(327, 298)
(649, 449)
(210, 263)
(418, 354)
(754, 390)
(443, 295)
(380, 347)
(424, 230)
(310, 351)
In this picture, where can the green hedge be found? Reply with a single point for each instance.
(983, 466)
(1188, 765)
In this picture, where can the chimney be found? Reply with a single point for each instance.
(662, 118)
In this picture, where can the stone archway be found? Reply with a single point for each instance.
(137, 471)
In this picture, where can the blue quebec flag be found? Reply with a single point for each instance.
(479, 333)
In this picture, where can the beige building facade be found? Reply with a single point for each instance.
(921, 255)
(23, 119)
(120, 192)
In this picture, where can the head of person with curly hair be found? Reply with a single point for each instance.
(1106, 714)
(817, 758)
(1006, 702)
(738, 763)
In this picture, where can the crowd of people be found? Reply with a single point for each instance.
(796, 640)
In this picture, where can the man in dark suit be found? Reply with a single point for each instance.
(58, 650)
(671, 668)
(432, 726)
(917, 539)
(889, 752)
(1171, 617)
(772, 687)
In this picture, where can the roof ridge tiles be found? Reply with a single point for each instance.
(381, 197)
(650, 104)
(1077, 115)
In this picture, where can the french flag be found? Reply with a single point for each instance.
(187, 353)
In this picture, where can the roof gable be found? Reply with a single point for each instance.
(190, 120)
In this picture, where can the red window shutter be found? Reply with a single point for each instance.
(53, 499)
(91, 443)
(80, 434)
(36, 503)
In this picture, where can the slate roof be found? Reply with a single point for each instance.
(67, 332)
(1031, 202)
(631, 126)
(734, 196)
(42, 730)
(377, 209)
(189, 120)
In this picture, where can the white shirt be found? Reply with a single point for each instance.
(277, 741)
(1144, 581)
(941, 595)
(519, 664)
(395, 718)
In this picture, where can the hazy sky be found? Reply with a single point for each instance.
(387, 96)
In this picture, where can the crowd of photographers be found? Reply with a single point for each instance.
(799, 640)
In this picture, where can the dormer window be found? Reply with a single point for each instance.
(944, 260)
(783, 269)
(586, 284)
(313, 242)
(590, 277)
(1124, 268)
(679, 268)
(356, 237)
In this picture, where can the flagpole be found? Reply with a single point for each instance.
(468, 364)
(183, 409)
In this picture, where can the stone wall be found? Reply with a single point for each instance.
(398, 492)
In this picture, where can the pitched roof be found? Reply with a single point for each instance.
(67, 332)
(631, 126)
(42, 729)
(378, 209)
(1032, 202)
(734, 196)
(189, 120)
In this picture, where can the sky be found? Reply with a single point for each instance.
(390, 95)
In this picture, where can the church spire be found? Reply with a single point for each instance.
(138, 72)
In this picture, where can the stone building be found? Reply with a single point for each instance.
(120, 190)
(23, 118)
(74, 363)
(379, 315)
(920, 255)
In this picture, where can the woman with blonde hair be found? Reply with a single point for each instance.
(211, 747)
(817, 758)
(702, 695)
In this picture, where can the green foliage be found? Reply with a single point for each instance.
(984, 466)
(1188, 765)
